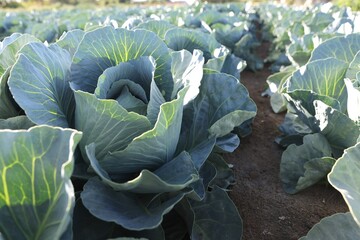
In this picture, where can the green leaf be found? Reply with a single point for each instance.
(15, 123)
(354, 67)
(324, 77)
(233, 65)
(132, 211)
(189, 39)
(11, 46)
(107, 124)
(338, 226)
(277, 80)
(353, 101)
(130, 83)
(187, 70)
(224, 175)
(222, 104)
(319, 21)
(36, 194)
(227, 123)
(342, 48)
(160, 27)
(71, 40)
(139, 71)
(39, 84)
(278, 102)
(316, 169)
(153, 148)
(345, 178)
(216, 217)
(307, 98)
(106, 47)
(170, 177)
(340, 131)
(304, 165)
(87, 226)
(8, 106)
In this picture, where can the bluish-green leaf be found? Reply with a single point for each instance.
(139, 71)
(107, 124)
(129, 210)
(216, 217)
(11, 46)
(324, 77)
(338, 226)
(222, 104)
(354, 67)
(160, 27)
(340, 131)
(87, 226)
(353, 101)
(8, 106)
(345, 178)
(189, 39)
(36, 194)
(107, 47)
(304, 165)
(170, 177)
(187, 70)
(153, 148)
(343, 48)
(71, 40)
(15, 123)
(39, 82)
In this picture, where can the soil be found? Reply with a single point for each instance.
(267, 211)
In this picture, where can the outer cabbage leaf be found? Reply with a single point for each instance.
(36, 194)
(232, 65)
(153, 148)
(340, 131)
(187, 70)
(178, 39)
(318, 21)
(222, 102)
(160, 27)
(87, 226)
(10, 47)
(170, 177)
(107, 47)
(71, 40)
(209, 215)
(8, 106)
(215, 211)
(324, 77)
(133, 212)
(354, 67)
(106, 123)
(45, 31)
(345, 178)
(222, 105)
(338, 226)
(353, 101)
(343, 48)
(227, 34)
(244, 49)
(39, 82)
(14, 123)
(304, 165)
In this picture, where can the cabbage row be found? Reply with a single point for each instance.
(320, 91)
(114, 132)
(232, 25)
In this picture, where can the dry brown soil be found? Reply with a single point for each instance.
(267, 211)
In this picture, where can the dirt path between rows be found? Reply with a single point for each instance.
(267, 211)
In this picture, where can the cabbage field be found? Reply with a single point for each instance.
(125, 123)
